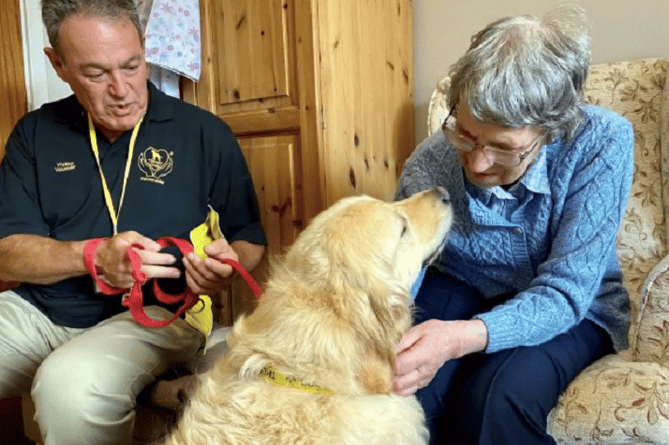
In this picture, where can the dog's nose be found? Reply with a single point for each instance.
(444, 194)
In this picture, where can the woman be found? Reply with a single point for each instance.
(528, 291)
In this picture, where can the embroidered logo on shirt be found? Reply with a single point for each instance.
(64, 167)
(155, 164)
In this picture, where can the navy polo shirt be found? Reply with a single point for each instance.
(185, 159)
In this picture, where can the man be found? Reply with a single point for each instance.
(118, 160)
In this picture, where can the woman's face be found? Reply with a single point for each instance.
(479, 166)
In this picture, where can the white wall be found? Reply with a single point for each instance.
(42, 83)
(620, 30)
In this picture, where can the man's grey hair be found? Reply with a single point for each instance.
(525, 70)
(54, 12)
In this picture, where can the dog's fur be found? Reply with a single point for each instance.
(332, 312)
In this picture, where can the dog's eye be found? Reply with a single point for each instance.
(405, 225)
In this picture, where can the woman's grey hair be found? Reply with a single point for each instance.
(54, 12)
(524, 70)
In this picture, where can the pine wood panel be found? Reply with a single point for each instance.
(248, 80)
(297, 113)
(341, 124)
(272, 161)
(254, 64)
(12, 84)
(311, 124)
(254, 54)
(249, 122)
(367, 95)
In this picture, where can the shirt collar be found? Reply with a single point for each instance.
(160, 108)
(535, 178)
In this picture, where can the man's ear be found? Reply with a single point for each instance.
(56, 62)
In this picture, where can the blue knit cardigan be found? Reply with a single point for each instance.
(549, 239)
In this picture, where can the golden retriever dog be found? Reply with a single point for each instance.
(313, 363)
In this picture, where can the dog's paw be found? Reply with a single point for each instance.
(171, 394)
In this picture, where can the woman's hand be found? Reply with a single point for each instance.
(427, 346)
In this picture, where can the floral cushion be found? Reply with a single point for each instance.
(635, 90)
(614, 401)
(652, 331)
(438, 108)
(624, 398)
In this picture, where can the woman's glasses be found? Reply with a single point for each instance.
(509, 158)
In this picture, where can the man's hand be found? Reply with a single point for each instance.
(209, 276)
(427, 346)
(113, 262)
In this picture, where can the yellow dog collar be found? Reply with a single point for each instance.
(274, 377)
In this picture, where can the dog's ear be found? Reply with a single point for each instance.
(390, 305)
(393, 318)
(376, 374)
(399, 303)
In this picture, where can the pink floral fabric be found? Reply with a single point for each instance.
(173, 37)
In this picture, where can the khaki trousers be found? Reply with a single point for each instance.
(84, 382)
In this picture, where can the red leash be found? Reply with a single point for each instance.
(134, 301)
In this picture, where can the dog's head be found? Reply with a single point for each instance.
(339, 298)
(363, 254)
(360, 240)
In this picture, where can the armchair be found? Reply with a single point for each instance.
(624, 398)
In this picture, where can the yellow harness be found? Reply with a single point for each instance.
(274, 377)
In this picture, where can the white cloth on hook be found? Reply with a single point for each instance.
(165, 80)
(173, 37)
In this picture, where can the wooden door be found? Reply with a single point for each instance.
(320, 94)
(255, 52)
(259, 75)
(273, 162)
(249, 72)
(12, 84)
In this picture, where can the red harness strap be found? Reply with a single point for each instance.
(134, 301)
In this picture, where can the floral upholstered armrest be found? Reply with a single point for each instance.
(438, 107)
(624, 398)
(650, 338)
(614, 401)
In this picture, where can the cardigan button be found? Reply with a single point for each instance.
(518, 231)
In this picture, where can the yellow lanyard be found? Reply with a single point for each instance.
(108, 199)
